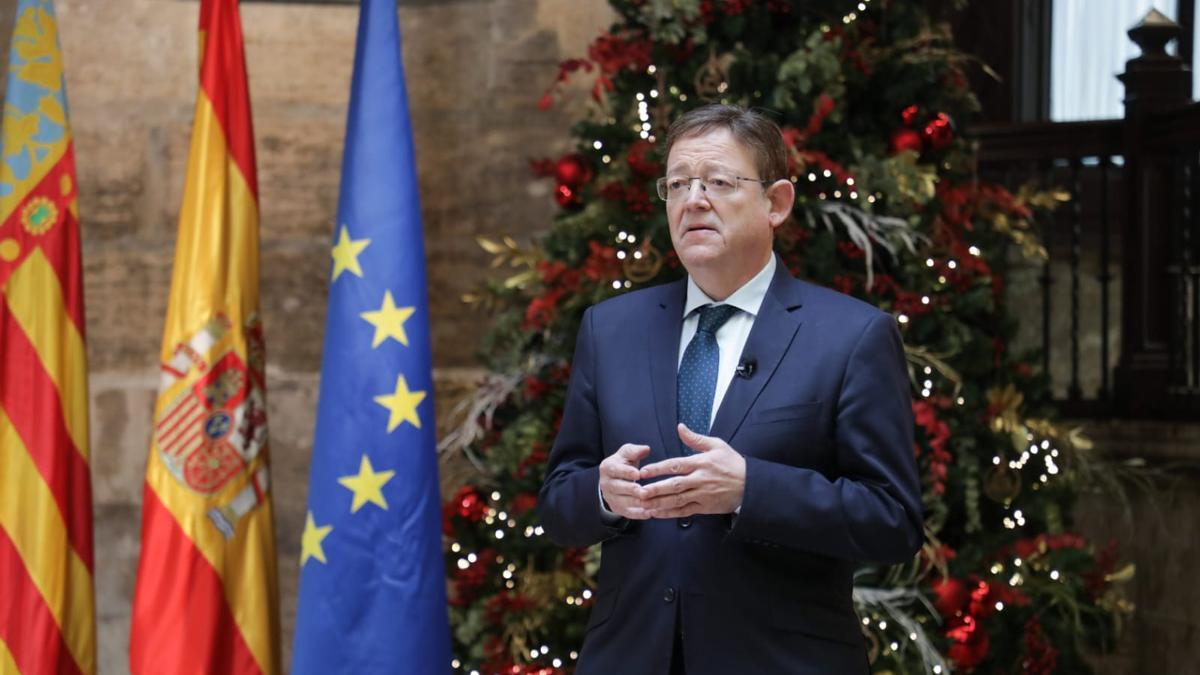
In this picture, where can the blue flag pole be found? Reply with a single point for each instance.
(372, 584)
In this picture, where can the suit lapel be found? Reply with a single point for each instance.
(666, 324)
(772, 334)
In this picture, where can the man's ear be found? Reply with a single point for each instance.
(782, 196)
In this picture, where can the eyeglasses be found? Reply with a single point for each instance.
(671, 188)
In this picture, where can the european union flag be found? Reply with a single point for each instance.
(372, 589)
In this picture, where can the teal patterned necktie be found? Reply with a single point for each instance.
(697, 379)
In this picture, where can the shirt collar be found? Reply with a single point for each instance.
(748, 298)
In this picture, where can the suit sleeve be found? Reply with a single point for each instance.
(569, 501)
(869, 511)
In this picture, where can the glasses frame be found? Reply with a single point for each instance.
(660, 185)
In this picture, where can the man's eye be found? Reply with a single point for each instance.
(676, 184)
(719, 182)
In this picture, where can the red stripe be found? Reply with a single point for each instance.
(181, 620)
(32, 403)
(26, 624)
(177, 414)
(223, 80)
(174, 373)
(184, 446)
(183, 403)
(178, 417)
(183, 438)
(180, 440)
(68, 261)
(60, 244)
(177, 446)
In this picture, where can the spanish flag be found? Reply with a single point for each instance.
(47, 608)
(206, 599)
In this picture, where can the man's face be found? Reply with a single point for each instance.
(730, 235)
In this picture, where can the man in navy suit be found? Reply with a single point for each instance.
(739, 440)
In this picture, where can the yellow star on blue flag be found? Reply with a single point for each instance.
(402, 405)
(367, 485)
(345, 254)
(388, 321)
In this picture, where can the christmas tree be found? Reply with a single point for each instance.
(873, 99)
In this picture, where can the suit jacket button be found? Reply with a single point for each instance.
(685, 523)
(669, 595)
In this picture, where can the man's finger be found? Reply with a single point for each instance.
(698, 442)
(623, 488)
(668, 467)
(623, 505)
(627, 507)
(634, 453)
(671, 486)
(674, 500)
(623, 472)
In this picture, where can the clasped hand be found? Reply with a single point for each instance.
(711, 481)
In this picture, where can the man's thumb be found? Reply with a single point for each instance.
(695, 441)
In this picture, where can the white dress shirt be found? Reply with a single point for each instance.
(731, 337)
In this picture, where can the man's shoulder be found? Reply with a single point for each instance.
(835, 305)
(638, 300)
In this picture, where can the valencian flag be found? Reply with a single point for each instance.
(206, 599)
(372, 582)
(47, 608)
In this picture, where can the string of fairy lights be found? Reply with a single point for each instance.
(504, 523)
(853, 16)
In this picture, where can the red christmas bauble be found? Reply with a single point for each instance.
(909, 115)
(906, 139)
(951, 594)
(572, 171)
(638, 160)
(939, 132)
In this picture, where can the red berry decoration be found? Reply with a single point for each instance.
(909, 115)
(572, 171)
(565, 196)
(939, 132)
(906, 139)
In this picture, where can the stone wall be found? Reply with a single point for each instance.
(1152, 519)
(475, 71)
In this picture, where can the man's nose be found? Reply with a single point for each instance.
(696, 196)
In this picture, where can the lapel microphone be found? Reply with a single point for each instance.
(746, 367)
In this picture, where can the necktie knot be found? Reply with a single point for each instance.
(712, 317)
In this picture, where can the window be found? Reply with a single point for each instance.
(1088, 48)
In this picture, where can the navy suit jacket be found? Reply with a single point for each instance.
(825, 425)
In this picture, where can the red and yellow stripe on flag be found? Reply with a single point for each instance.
(206, 599)
(47, 607)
